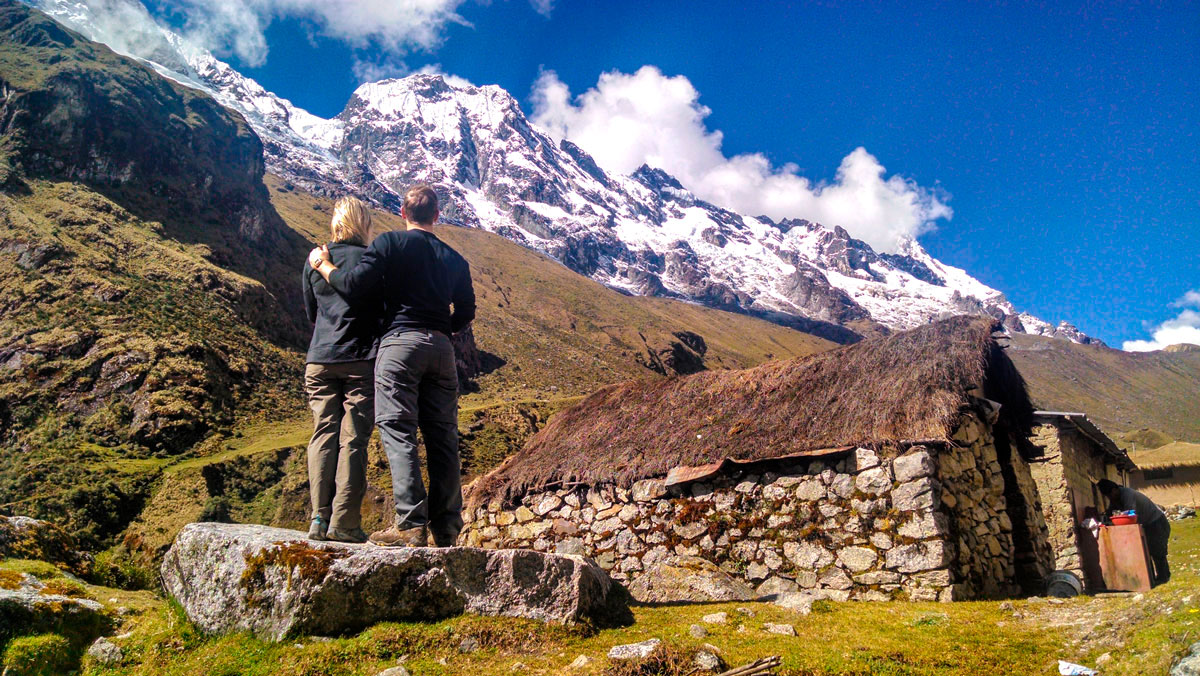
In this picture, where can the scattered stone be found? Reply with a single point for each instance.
(1007, 606)
(275, 583)
(581, 662)
(394, 671)
(697, 631)
(707, 661)
(1190, 664)
(469, 645)
(782, 629)
(745, 611)
(105, 652)
(633, 651)
(715, 618)
(688, 579)
(798, 602)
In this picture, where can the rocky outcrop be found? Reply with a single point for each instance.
(29, 610)
(24, 538)
(679, 357)
(274, 583)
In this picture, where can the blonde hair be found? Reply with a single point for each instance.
(351, 221)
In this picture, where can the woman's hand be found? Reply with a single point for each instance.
(318, 256)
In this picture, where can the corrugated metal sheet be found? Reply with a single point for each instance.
(687, 474)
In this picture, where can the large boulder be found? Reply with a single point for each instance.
(275, 583)
(688, 579)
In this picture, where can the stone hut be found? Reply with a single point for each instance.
(1073, 455)
(1168, 483)
(893, 468)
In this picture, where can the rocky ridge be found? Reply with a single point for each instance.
(643, 234)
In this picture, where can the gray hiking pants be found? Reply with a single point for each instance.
(416, 386)
(342, 399)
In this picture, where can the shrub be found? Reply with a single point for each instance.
(116, 568)
(44, 655)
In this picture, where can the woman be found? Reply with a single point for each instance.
(340, 381)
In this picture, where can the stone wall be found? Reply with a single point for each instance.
(922, 522)
(1065, 475)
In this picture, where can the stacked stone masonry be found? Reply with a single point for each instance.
(919, 522)
(1065, 475)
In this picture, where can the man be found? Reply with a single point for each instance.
(416, 385)
(1154, 523)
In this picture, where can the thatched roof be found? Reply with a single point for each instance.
(911, 385)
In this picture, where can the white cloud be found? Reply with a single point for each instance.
(543, 7)
(1189, 299)
(1183, 328)
(627, 120)
(374, 71)
(395, 26)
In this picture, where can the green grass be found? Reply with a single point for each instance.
(1141, 636)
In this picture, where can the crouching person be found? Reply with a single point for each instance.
(340, 382)
(1155, 525)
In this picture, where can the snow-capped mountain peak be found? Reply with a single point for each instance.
(643, 233)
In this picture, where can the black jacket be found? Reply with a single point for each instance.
(418, 277)
(342, 332)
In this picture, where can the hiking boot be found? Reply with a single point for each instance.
(354, 536)
(401, 537)
(317, 529)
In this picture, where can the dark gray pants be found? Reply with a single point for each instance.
(416, 386)
(1157, 533)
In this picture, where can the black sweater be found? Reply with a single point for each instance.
(418, 277)
(341, 332)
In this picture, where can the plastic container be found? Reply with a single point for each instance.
(1063, 584)
(1124, 519)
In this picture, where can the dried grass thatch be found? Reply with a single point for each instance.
(912, 385)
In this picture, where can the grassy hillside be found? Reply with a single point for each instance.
(1121, 391)
(559, 333)
(1167, 455)
(1121, 634)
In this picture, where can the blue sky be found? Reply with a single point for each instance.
(1063, 137)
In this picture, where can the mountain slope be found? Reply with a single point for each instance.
(1121, 391)
(142, 300)
(644, 234)
(148, 297)
(552, 333)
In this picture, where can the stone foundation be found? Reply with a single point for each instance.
(919, 522)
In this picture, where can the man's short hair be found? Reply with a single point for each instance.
(421, 204)
(1106, 486)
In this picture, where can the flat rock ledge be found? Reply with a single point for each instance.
(27, 610)
(275, 583)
